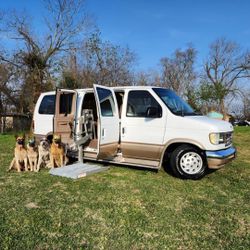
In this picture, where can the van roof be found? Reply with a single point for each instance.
(121, 88)
(114, 88)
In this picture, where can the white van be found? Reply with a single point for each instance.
(140, 126)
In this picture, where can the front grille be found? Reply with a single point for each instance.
(228, 138)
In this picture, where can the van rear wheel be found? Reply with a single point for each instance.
(188, 162)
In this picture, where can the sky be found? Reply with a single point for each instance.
(156, 28)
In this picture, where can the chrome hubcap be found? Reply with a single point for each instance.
(191, 163)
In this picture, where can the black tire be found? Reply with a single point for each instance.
(188, 162)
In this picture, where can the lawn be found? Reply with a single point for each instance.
(126, 208)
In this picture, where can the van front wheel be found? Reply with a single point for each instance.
(187, 162)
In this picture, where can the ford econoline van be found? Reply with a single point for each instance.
(141, 126)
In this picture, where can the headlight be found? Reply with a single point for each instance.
(217, 138)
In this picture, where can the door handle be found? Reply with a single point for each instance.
(123, 130)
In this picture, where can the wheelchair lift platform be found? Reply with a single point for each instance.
(77, 170)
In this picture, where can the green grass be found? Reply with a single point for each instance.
(126, 208)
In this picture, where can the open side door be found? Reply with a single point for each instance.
(108, 122)
(64, 114)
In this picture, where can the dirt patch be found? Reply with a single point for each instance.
(31, 205)
(58, 184)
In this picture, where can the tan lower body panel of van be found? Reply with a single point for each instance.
(142, 150)
(133, 154)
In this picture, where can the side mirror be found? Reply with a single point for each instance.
(153, 112)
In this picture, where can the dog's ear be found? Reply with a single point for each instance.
(30, 135)
(57, 137)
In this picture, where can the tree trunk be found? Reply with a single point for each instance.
(223, 109)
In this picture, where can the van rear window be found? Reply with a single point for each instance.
(66, 101)
(47, 106)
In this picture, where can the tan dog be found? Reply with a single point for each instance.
(32, 155)
(20, 159)
(44, 154)
(57, 153)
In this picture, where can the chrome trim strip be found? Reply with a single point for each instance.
(221, 154)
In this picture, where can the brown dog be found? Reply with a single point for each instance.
(57, 153)
(20, 159)
(32, 155)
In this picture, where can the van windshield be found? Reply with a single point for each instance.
(175, 103)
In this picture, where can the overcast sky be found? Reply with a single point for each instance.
(155, 28)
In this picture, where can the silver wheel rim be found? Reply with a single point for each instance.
(191, 163)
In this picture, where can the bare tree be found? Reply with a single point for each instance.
(178, 71)
(71, 73)
(240, 107)
(237, 110)
(149, 77)
(106, 64)
(143, 79)
(246, 105)
(40, 58)
(225, 66)
(8, 91)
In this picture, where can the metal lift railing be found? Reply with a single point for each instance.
(86, 132)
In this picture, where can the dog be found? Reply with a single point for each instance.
(57, 153)
(32, 155)
(43, 154)
(20, 159)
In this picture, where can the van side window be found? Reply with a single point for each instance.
(138, 103)
(106, 102)
(47, 106)
(119, 95)
(89, 103)
(66, 103)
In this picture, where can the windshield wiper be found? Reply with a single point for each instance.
(183, 113)
(179, 112)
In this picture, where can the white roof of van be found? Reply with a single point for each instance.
(121, 88)
(114, 88)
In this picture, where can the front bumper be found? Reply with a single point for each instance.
(216, 159)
